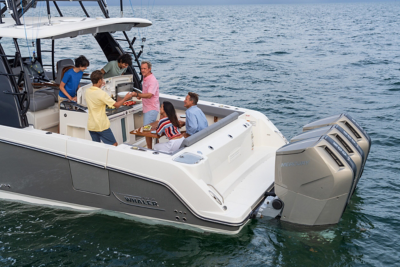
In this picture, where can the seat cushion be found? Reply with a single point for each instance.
(49, 91)
(39, 101)
(209, 130)
(60, 65)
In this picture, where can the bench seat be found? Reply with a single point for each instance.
(209, 130)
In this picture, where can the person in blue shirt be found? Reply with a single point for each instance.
(71, 79)
(195, 118)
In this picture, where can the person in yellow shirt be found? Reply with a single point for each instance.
(96, 99)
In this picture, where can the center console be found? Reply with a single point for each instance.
(74, 115)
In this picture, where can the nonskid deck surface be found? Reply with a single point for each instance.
(261, 176)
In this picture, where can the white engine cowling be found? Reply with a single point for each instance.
(350, 125)
(314, 178)
(344, 140)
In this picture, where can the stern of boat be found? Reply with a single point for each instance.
(317, 172)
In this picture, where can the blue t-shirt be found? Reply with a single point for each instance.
(195, 120)
(71, 80)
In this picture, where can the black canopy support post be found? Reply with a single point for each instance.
(121, 3)
(18, 56)
(53, 68)
(134, 53)
(131, 47)
(112, 50)
(84, 9)
(1, 15)
(22, 98)
(58, 9)
(2, 11)
(48, 11)
(103, 9)
(20, 78)
(15, 40)
(13, 6)
(3, 57)
(25, 8)
(14, 104)
(39, 51)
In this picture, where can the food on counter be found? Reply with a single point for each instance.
(129, 103)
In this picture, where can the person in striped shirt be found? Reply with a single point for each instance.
(169, 126)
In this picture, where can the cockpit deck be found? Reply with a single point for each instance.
(125, 119)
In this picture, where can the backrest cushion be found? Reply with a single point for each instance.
(209, 130)
(60, 65)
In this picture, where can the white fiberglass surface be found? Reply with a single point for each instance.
(67, 27)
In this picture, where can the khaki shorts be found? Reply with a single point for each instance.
(61, 99)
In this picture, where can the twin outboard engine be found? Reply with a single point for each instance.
(317, 173)
(313, 178)
(344, 140)
(349, 125)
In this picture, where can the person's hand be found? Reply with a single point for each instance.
(128, 96)
(181, 123)
(138, 98)
(74, 99)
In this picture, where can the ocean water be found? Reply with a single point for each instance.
(295, 64)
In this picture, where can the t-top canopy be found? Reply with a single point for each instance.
(62, 27)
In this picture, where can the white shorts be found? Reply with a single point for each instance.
(170, 146)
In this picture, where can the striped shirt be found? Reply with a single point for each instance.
(165, 126)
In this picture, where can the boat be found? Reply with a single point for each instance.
(240, 168)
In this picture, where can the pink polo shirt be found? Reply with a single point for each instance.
(150, 85)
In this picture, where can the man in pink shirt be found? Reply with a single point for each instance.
(149, 96)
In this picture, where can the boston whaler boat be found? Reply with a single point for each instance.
(239, 168)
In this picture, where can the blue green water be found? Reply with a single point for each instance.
(295, 64)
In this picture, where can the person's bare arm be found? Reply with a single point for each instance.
(103, 71)
(141, 95)
(62, 88)
(119, 103)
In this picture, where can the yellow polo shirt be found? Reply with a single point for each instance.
(96, 100)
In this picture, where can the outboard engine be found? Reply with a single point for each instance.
(344, 140)
(345, 121)
(313, 178)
